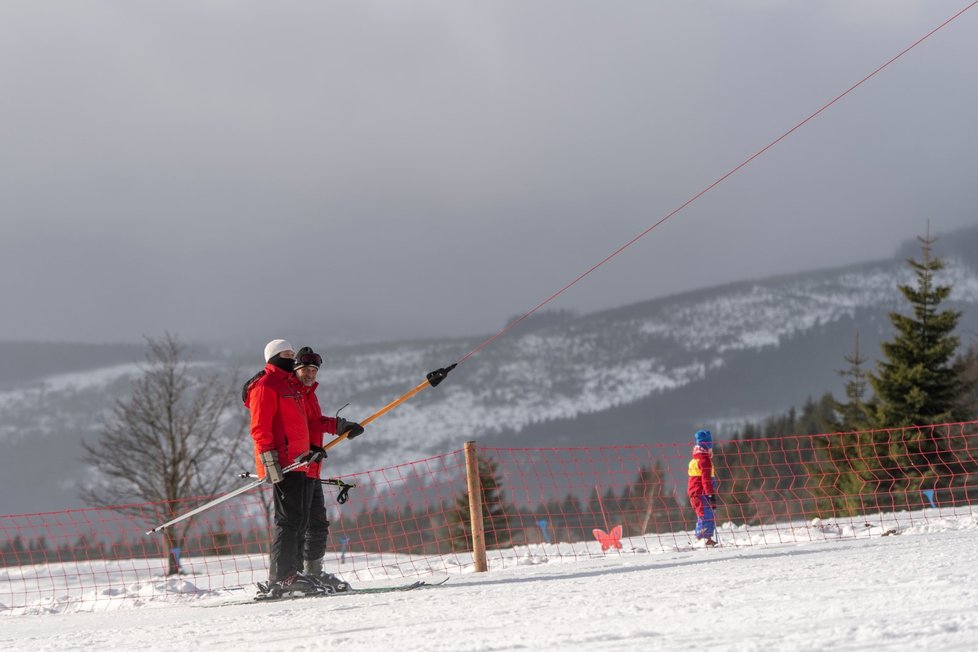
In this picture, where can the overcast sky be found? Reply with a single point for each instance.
(231, 169)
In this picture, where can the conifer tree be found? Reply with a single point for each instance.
(495, 513)
(847, 461)
(857, 412)
(648, 505)
(916, 383)
(573, 517)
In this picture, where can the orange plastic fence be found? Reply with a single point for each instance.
(538, 505)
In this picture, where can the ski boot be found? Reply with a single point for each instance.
(268, 591)
(331, 583)
(296, 585)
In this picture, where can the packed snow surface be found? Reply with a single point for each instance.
(906, 582)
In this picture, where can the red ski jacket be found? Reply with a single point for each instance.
(701, 472)
(278, 417)
(318, 424)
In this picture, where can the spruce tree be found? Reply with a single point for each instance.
(495, 512)
(648, 504)
(850, 461)
(857, 412)
(916, 383)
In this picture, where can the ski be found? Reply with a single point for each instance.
(262, 597)
(351, 591)
(420, 584)
(383, 589)
(693, 547)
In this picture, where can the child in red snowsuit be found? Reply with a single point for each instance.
(701, 490)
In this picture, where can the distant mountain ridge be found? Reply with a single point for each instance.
(25, 362)
(648, 372)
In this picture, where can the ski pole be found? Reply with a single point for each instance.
(716, 521)
(432, 379)
(716, 526)
(336, 482)
(221, 499)
(341, 497)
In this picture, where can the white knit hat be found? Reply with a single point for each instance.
(275, 347)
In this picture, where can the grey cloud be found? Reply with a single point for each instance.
(385, 169)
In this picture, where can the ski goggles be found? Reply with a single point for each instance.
(309, 360)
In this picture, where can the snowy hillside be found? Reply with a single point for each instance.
(803, 589)
(599, 363)
(643, 373)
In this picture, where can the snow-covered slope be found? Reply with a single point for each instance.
(915, 591)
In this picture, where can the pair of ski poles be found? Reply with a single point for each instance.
(341, 497)
(432, 379)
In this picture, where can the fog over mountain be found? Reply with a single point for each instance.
(645, 372)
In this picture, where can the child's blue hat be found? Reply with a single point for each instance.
(704, 437)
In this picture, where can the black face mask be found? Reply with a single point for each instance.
(285, 364)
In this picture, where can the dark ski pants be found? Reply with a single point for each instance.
(313, 544)
(292, 498)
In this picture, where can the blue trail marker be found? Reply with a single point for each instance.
(929, 493)
(544, 531)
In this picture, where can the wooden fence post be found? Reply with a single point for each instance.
(475, 508)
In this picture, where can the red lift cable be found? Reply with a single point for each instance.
(713, 185)
(434, 378)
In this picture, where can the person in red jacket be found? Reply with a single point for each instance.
(313, 548)
(701, 488)
(280, 430)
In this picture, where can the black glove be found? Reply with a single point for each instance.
(712, 499)
(354, 428)
(272, 470)
(313, 455)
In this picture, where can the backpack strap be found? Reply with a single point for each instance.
(248, 384)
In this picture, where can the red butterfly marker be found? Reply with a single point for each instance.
(608, 539)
